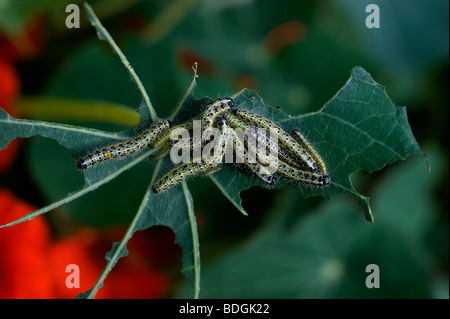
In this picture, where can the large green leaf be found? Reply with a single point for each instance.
(360, 128)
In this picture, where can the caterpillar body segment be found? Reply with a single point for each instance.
(173, 131)
(242, 157)
(179, 173)
(286, 141)
(302, 176)
(123, 149)
(285, 164)
(213, 111)
(270, 141)
(314, 154)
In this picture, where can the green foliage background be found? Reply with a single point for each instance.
(304, 248)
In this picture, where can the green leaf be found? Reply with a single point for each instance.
(360, 128)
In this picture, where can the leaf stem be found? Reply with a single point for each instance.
(196, 248)
(119, 248)
(103, 34)
(190, 88)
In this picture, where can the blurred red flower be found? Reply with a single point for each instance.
(32, 265)
(132, 277)
(23, 265)
(285, 34)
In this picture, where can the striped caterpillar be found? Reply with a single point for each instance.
(286, 166)
(119, 150)
(197, 166)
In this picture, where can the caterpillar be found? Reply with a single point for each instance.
(294, 158)
(284, 165)
(286, 141)
(272, 147)
(241, 153)
(208, 118)
(301, 176)
(218, 147)
(304, 143)
(213, 110)
(181, 172)
(122, 149)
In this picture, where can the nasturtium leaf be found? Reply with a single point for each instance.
(360, 128)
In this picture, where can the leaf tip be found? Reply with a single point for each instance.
(364, 203)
